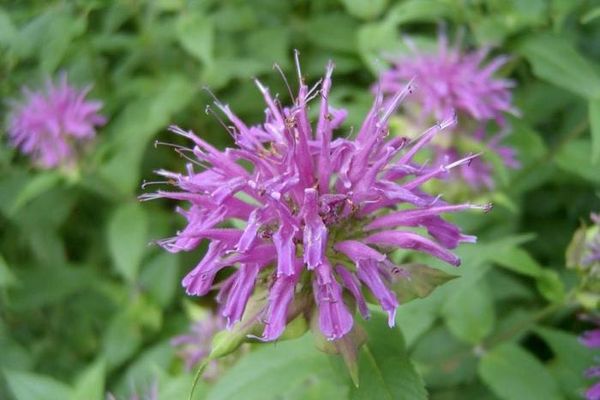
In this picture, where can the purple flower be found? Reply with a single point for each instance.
(591, 339)
(593, 246)
(50, 125)
(196, 345)
(452, 81)
(322, 214)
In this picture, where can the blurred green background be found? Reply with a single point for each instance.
(87, 306)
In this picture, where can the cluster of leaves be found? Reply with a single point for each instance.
(87, 306)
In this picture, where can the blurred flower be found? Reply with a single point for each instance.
(452, 81)
(591, 339)
(583, 255)
(196, 345)
(321, 215)
(49, 125)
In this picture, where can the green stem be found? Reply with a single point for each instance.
(525, 326)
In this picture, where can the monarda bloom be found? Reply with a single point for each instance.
(450, 81)
(591, 339)
(194, 346)
(583, 255)
(321, 215)
(52, 124)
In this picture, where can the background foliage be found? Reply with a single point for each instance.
(87, 306)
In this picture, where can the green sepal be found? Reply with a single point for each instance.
(420, 282)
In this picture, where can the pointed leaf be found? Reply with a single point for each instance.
(90, 385)
(420, 283)
(29, 386)
(196, 34)
(554, 59)
(273, 370)
(570, 360)
(514, 374)
(470, 314)
(385, 369)
(127, 239)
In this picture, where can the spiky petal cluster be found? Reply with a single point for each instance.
(321, 214)
(194, 346)
(455, 81)
(49, 124)
(591, 339)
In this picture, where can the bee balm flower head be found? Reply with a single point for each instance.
(51, 124)
(451, 80)
(321, 214)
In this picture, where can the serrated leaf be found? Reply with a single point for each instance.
(470, 314)
(385, 369)
(272, 370)
(29, 386)
(195, 33)
(594, 112)
(514, 374)
(554, 59)
(421, 281)
(127, 239)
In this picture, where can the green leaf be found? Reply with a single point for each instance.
(590, 15)
(49, 284)
(35, 187)
(376, 40)
(159, 278)
(90, 384)
(443, 360)
(7, 278)
(514, 374)
(420, 11)
(420, 283)
(29, 386)
(385, 369)
(334, 31)
(550, 286)
(416, 317)
(364, 9)
(570, 360)
(273, 370)
(554, 59)
(470, 314)
(594, 111)
(7, 28)
(124, 334)
(137, 124)
(195, 33)
(517, 260)
(127, 239)
(574, 157)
